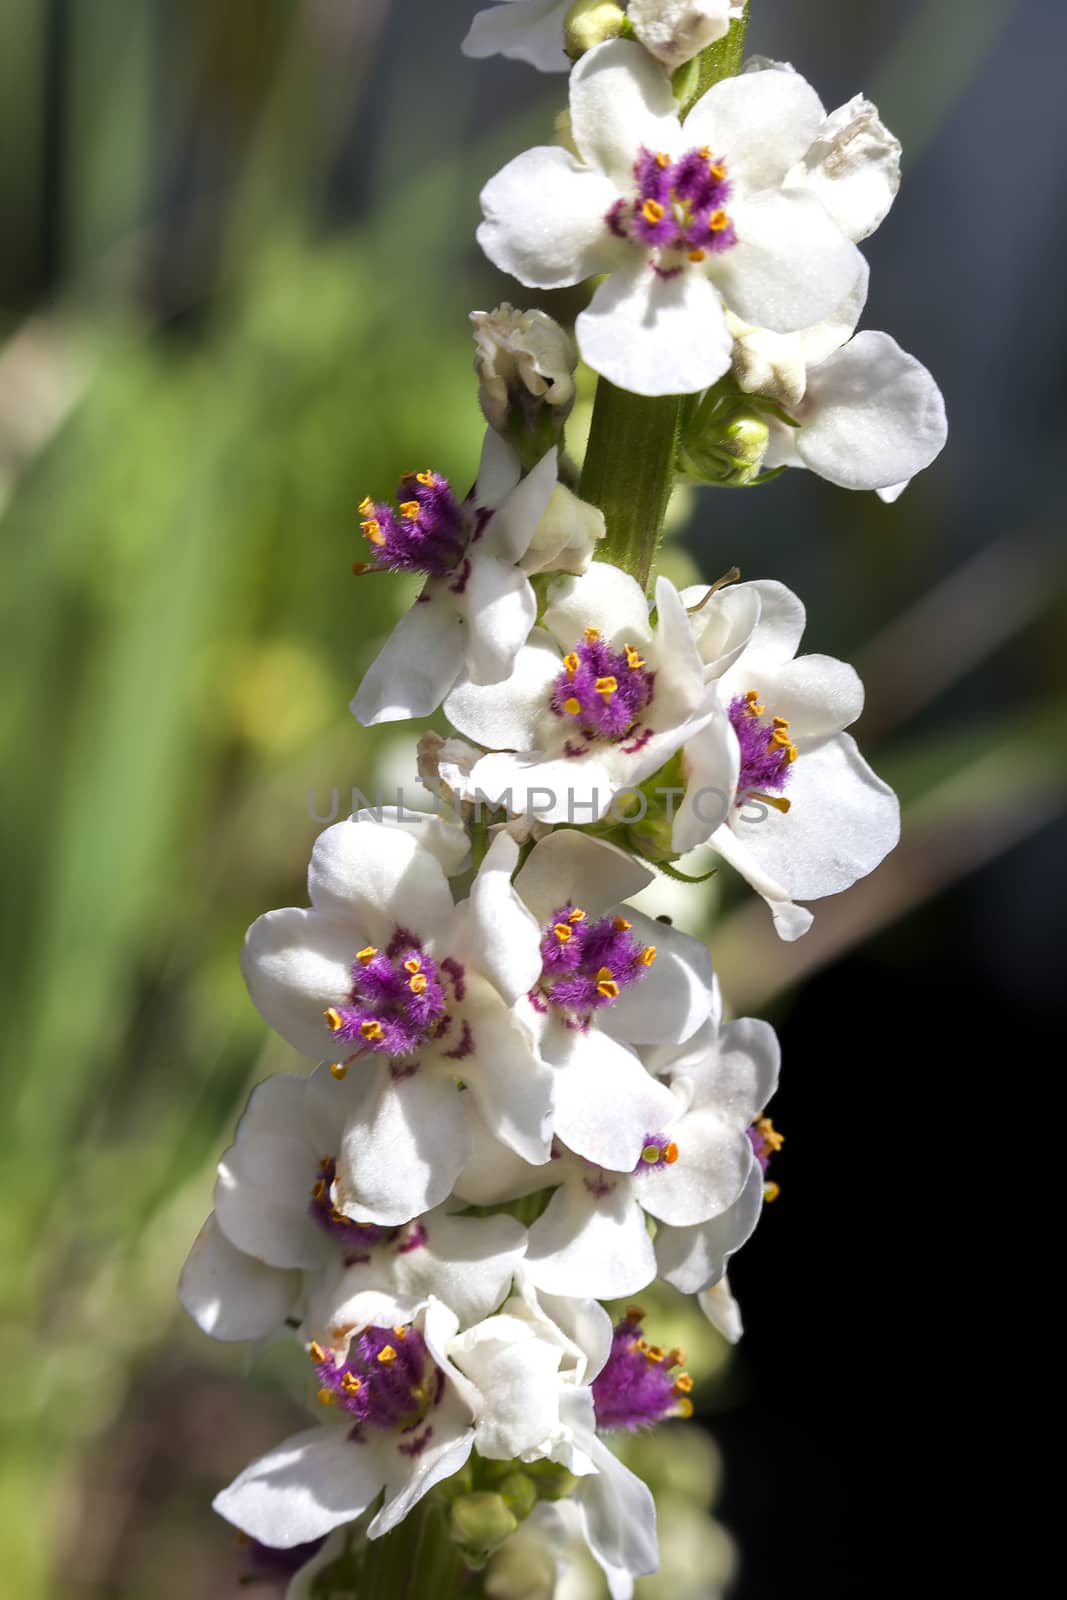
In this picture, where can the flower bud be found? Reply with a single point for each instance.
(525, 364)
(518, 1494)
(479, 1522)
(677, 30)
(551, 1481)
(565, 538)
(589, 23)
(728, 450)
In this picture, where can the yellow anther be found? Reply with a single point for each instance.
(639, 1344)
(339, 1069)
(620, 925)
(424, 477)
(413, 964)
(607, 687)
(371, 1030)
(326, 1163)
(318, 1191)
(670, 1153)
(718, 171)
(769, 1133)
(337, 1216)
(633, 659)
(577, 915)
(365, 955)
(564, 932)
(718, 221)
(326, 1397)
(572, 706)
(401, 1333)
(350, 1383)
(334, 1019)
(780, 722)
(655, 1354)
(754, 707)
(571, 663)
(648, 955)
(662, 159)
(409, 510)
(780, 737)
(418, 983)
(676, 1358)
(771, 1191)
(316, 1352)
(683, 1384)
(592, 635)
(386, 1354)
(697, 255)
(651, 1154)
(684, 1408)
(366, 506)
(652, 211)
(776, 801)
(635, 1314)
(705, 152)
(373, 530)
(606, 985)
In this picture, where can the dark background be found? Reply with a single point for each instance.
(238, 256)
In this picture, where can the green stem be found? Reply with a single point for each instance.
(630, 461)
(417, 1561)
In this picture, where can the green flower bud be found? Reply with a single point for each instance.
(589, 23)
(728, 450)
(551, 1481)
(518, 1493)
(481, 1521)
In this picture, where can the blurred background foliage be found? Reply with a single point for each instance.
(237, 261)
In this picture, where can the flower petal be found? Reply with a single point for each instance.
(790, 921)
(499, 607)
(296, 965)
(675, 997)
(262, 1200)
(546, 220)
(760, 124)
(503, 936)
(449, 1441)
(517, 515)
(619, 1513)
(722, 1310)
(606, 1103)
(416, 666)
(694, 1258)
(229, 1295)
(621, 100)
(791, 265)
(873, 415)
(312, 1483)
(506, 716)
(818, 695)
(403, 1148)
(588, 1243)
(570, 865)
(605, 598)
(852, 168)
(714, 1159)
(467, 1262)
(511, 1088)
(654, 335)
(712, 760)
(524, 30)
(381, 878)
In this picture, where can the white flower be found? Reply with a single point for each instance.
(476, 607)
(598, 700)
(691, 1175)
(805, 815)
(522, 30)
(677, 30)
(681, 217)
(566, 535)
(276, 1246)
(722, 1310)
(403, 1439)
(526, 1374)
(524, 356)
(870, 416)
(411, 994)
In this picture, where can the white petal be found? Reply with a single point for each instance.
(721, 626)
(892, 493)
(416, 666)
(526, 30)
(782, 620)
(714, 1159)
(675, 997)
(561, 790)
(693, 1258)
(382, 878)
(297, 964)
(450, 1439)
(679, 668)
(499, 471)
(516, 1374)
(589, 1244)
(619, 1514)
(229, 1295)
(505, 937)
(445, 838)
(312, 1483)
(302, 1583)
(545, 219)
(791, 266)
(656, 336)
(621, 99)
(712, 762)
(790, 921)
(494, 1172)
(402, 1151)
(758, 123)
(843, 820)
(818, 695)
(587, 1326)
(738, 1074)
(722, 1310)
(262, 1200)
(853, 168)
(873, 415)
(818, 343)
(510, 1086)
(467, 1262)
(606, 1103)
(606, 598)
(500, 609)
(569, 865)
(515, 521)
(507, 715)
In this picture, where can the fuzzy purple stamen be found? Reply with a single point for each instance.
(678, 210)
(427, 534)
(357, 1239)
(388, 1379)
(601, 692)
(767, 752)
(638, 1384)
(765, 1140)
(397, 1001)
(586, 965)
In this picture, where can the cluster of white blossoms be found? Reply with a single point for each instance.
(525, 1097)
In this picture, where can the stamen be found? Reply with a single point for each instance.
(368, 953)
(684, 1408)
(409, 510)
(386, 1354)
(683, 1383)
(316, 1352)
(373, 530)
(648, 955)
(577, 915)
(771, 1191)
(334, 1020)
(655, 1354)
(413, 964)
(326, 1397)
(371, 1030)
(636, 1314)
(676, 1358)
(663, 159)
(670, 1153)
(718, 221)
(339, 1069)
(572, 706)
(318, 1189)
(418, 983)
(621, 925)
(652, 211)
(717, 170)
(571, 663)
(606, 985)
(779, 802)
(564, 932)
(697, 255)
(350, 1383)
(366, 506)
(651, 1154)
(607, 687)
(425, 478)
(633, 660)
(592, 635)
(401, 1333)
(780, 722)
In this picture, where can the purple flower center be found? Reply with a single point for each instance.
(397, 1001)
(657, 1152)
(766, 1141)
(388, 1379)
(427, 532)
(601, 692)
(678, 212)
(639, 1385)
(767, 750)
(587, 965)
